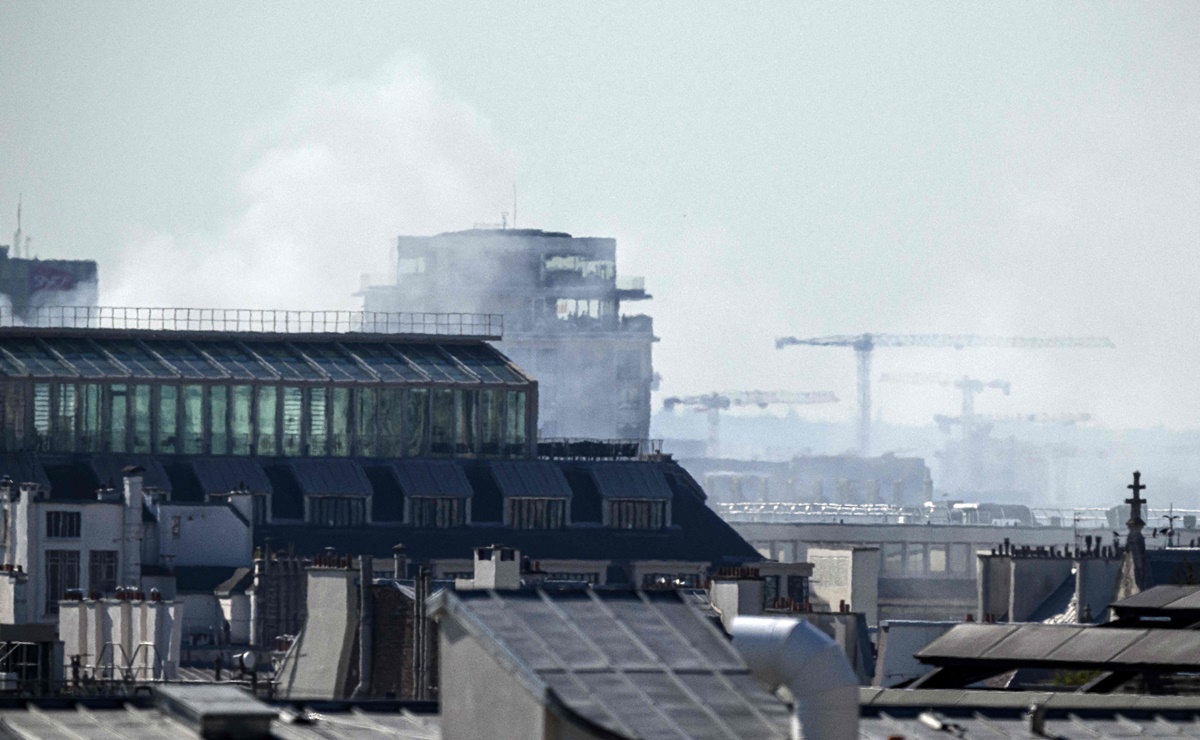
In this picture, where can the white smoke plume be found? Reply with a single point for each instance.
(328, 185)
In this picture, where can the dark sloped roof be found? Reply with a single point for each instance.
(23, 467)
(171, 355)
(645, 665)
(1065, 646)
(432, 478)
(225, 474)
(202, 578)
(530, 479)
(236, 583)
(109, 469)
(629, 479)
(326, 476)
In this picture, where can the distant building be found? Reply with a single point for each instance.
(37, 290)
(561, 300)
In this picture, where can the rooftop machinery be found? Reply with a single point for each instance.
(865, 344)
(714, 403)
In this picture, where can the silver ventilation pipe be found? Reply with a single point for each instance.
(792, 653)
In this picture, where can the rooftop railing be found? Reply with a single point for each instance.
(598, 449)
(244, 320)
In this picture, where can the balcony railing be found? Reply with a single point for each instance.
(598, 449)
(265, 321)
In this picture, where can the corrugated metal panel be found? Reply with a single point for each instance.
(642, 665)
(323, 477)
(432, 478)
(629, 480)
(23, 467)
(530, 479)
(225, 474)
(108, 470)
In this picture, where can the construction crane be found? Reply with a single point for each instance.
(865, 344)
(970, 387)
(712, 404)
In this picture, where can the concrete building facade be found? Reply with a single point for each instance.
(561, 298)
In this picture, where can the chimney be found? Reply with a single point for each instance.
(366, 626)
(399, 562)
(497, 567)
(737, 592)
(132, 516)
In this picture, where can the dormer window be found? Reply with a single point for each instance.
(436, 493)
(636, 495)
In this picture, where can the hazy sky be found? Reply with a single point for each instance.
(772, 169)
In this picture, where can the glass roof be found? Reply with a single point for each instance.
(343, 361)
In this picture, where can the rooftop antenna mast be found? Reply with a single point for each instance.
(17, 235)
(514, 205)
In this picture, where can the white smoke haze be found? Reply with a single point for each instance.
(327, 186)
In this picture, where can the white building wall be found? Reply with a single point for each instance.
(204, 535)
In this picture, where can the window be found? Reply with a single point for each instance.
(637, 514)
(102, 571)
(89, 417)
(336, 511)
(168, 415)
(491, 416)
(959, 558)
(218, 420)
(62, 575)
(438, 512)
(592, 578)
(514, 435)
(62, 420)
(391, 415)
(41, 414)
(316, 421)
(893, 558)
(266, 440)
(293, 407)
(118, 418)
(416, 421)
(410, 265)
(914, 559)
(441, 431)
(937, 558)
(465, 403)
(193, 419)
(339, 422)
(364, 421)
(63, 524)
(670, 580)
(241, 431)
(142, 412)
(537, 513)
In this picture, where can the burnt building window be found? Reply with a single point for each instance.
(537, 513)
(336, 511)
(62, 575)
(440, 513)
(637, 514)
(102, 571)
(63, 524)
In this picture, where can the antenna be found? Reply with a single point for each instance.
(16, 245)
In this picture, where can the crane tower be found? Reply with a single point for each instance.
(865, 344)
(712, 404)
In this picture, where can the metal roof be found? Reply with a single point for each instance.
(23, 467)
(640, 664)
(432, 479)
(284, 359)
(330, 476)
(1168, 598)
(629, 480)
(225, 474)
(109, 469)
(530, 479)
(1044, 645)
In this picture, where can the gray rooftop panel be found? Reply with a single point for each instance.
(530, 479)
(140, 362)
(330, 477)
(629, 480)
(1033, 639)
(485, 362)
(108, 470)
(1157, 597)
(432, 479)
(1165, 647)
(1101, 646)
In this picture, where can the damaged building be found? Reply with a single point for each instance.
(561, 299)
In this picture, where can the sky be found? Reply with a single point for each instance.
(772, 169)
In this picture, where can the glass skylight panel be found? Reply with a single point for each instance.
(36, 360)
(140, 362)
(288, 364)
(388, 365)
(236, 361)
(484, 362)
(187, 360)
(339, 366)
(90, 361)
(436, 365)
